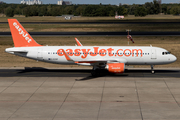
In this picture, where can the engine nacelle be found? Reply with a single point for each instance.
(115, 67)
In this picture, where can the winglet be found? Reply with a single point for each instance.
(78, 43)
(66, 55)
(21, 37)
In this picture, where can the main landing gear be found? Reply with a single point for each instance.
(152, 69)
(96, 72)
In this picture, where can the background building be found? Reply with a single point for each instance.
(1, 2)
(29, 2)
(61, 2)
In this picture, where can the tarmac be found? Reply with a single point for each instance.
(72, 94)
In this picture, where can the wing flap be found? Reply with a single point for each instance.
(96, 61)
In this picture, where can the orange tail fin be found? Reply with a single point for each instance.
(21, 37)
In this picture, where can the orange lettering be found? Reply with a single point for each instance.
(133, 51)
(118, 52)
(110, 51)
(60, 52)
(127, 55)
(95, 51)
(102, 52)
(77, 53)
(69, 52)
(85, 53)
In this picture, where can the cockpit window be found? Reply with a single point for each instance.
(165, 53)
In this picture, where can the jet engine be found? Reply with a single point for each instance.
(115, 67)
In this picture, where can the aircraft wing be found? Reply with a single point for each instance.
(96, 61)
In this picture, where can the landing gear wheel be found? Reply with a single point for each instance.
(152, 69)
(93, 73)
(97, 72)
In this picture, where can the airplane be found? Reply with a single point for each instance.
(110, 58)
(119, 17)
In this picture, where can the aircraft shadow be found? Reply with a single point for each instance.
(85, 73)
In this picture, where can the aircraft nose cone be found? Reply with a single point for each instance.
(174, 58)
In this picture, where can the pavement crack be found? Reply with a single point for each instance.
(9, 86)
(172, 94)
(64, 100)
(101, 99)
(27, 100)
(138, 100)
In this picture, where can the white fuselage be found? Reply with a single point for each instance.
(129, 55)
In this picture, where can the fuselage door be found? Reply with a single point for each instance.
(40, 54)
(153, 54)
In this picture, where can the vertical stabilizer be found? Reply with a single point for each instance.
(21, 37)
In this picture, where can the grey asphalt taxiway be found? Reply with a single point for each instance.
(72, 94)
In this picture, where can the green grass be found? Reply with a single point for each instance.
(94, 27)
(130, 18)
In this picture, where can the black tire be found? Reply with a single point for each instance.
(98, 72)
(94, 73)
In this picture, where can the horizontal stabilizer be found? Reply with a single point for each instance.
(9, 50)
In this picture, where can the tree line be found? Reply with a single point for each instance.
(89, 10)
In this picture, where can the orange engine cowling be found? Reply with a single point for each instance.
(115, 67)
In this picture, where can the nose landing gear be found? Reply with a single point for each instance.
(152, 69)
